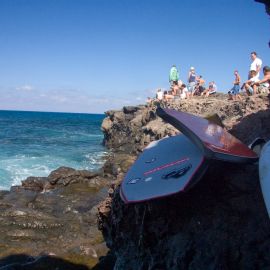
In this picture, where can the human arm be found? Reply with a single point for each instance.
(265, 79)
(258, 66)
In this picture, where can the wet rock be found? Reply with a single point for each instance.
(65, 176)
(60, 221)
(34, 183)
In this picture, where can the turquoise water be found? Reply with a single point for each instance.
(35, 143)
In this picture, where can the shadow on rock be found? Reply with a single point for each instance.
(252, 126)
(26, 262)
(106, 262)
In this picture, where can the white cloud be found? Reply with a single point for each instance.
(59, 98)
(25, 87)
(32, 98)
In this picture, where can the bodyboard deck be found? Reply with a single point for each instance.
(167, 166)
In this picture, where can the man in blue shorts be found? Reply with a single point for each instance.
(234, 92)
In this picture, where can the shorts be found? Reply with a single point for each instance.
(201, 89)
(191, 87)
(235, 90)
(212, 92)
(250, 89)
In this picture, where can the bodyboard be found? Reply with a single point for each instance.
(214, 141)
(264, 171)
(165, 167)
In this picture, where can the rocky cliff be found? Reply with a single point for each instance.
(221, 223)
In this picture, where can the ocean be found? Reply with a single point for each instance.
(35, 143)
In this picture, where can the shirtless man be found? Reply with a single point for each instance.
(263, 85)
(200, 85)
(250, 86)
(234, 92)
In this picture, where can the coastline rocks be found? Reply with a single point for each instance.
(118, 163)
(130, 132)
(131, 129)
(54, 215)
(221, 223)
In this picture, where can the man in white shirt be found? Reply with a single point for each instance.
(256, 64)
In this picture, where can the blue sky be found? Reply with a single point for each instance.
(96, 55)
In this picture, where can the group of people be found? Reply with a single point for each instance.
(253, 85)
(180, 90)
(196, 84)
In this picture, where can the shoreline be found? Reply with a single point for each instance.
(34, 144)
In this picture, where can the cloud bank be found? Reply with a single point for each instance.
(30, 98)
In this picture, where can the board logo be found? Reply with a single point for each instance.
(148, 179)
(134, 181)
(151, 160)
(176, 173)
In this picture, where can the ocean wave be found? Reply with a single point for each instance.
(34, 144)
(14, 170)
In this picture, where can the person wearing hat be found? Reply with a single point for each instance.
(191, 80)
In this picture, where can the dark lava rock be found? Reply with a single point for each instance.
(221, 223)
(130, 109)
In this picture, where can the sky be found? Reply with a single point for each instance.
(95, 55)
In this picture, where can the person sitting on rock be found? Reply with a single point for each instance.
(159, 95)
(149, 101)
(263, 85)
(199, 86)
(168, 95)
(180, 83)
(175, 89)
(184, 92)
(212, 89)
(250, 85)
(234, 92)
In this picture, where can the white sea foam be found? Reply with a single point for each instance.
(20, 167)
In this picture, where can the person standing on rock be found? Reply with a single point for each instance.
(234, 92)
(256, 64)
(174, 76)
(191, 81)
